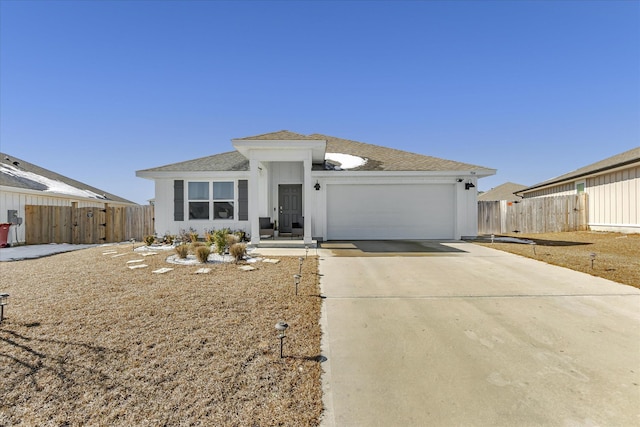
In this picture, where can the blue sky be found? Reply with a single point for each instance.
(534, 89)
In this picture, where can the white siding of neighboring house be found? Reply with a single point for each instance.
(558, 190)
(614, 201)
(12, 198)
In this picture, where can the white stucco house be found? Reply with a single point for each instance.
(612, 186)
(337, 189)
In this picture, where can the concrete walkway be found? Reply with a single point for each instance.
(18, 253)
(463, 335)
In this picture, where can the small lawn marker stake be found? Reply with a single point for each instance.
(300, 267)
(296, 281)
(306, 251)
(281, 327)
(3, 301)
(593, 258)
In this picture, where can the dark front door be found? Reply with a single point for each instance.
(289, 205)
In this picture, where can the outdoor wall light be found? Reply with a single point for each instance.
(317, 186)
(296, 281)
(281, 327)
(459, 180)
(4, 300)
(469, 185)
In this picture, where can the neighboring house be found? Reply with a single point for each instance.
(336, 188)
(23, 183)
(502, 192)
(613, 190)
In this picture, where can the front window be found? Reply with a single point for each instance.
(202, 198)
(580, 187)
(223, 200)
(198, 209)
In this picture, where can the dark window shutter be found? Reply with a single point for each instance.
(243, 200)
(178, 200)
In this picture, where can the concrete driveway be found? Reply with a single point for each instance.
(462, 335)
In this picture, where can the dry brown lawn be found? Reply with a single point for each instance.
(87, 341)
(617, 256)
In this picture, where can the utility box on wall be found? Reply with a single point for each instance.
(13, 218)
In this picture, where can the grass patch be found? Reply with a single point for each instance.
(617, 255)
(86, 340)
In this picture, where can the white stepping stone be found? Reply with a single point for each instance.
(203, 271)
(117, 255)
(133, 267)
(271, 261)
(133, 261)
(162, 270)
(246, 268)
(149, 253)
(109, 252)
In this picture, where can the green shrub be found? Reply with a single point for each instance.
(149, 240)
(238, 251)
(203, 252)
(220, 238)
(182, 251)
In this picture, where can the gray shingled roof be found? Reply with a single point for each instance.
(390, 159)
(502, 192)
(622, 159)
(283, 135)
(378, 158)
(230, 161)
(29, 182)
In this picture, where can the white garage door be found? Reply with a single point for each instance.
(391, 211)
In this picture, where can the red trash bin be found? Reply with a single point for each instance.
(4, 234)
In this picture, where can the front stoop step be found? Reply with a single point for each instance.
(286, 243)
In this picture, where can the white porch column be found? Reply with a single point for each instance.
(307, 199)
(254, 211)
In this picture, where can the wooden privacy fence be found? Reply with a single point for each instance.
(70, 224)
(536, 215)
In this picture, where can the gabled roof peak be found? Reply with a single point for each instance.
(282, 135)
